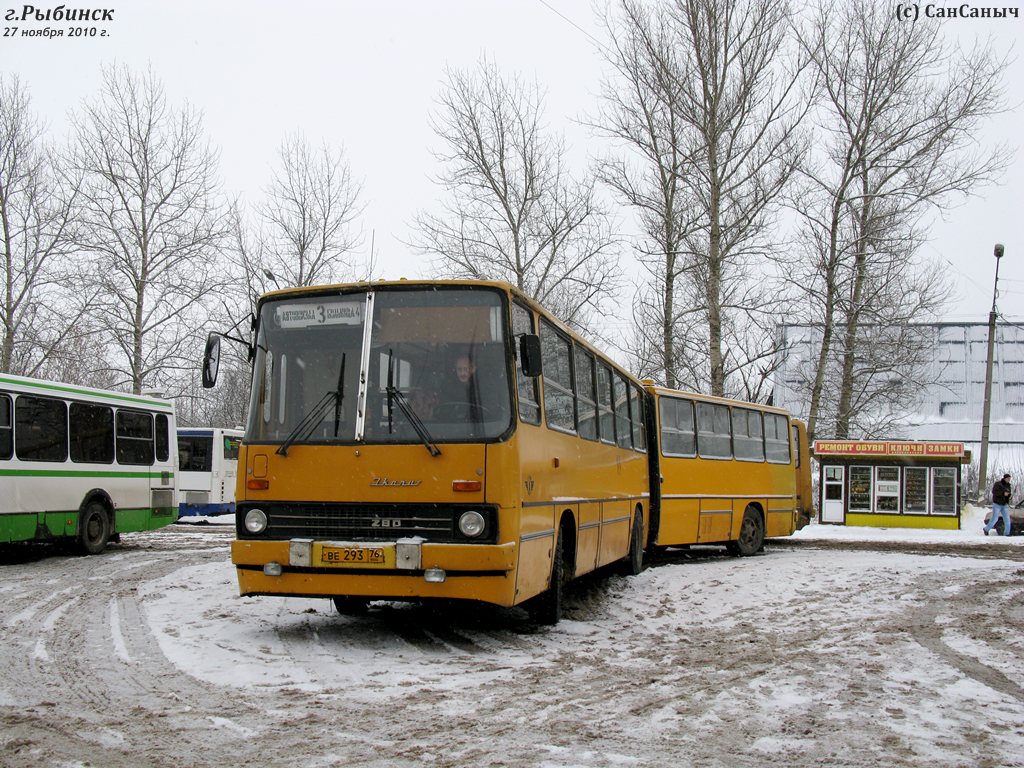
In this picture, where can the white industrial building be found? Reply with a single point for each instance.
(949, 409)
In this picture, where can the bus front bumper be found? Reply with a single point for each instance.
(408, 569)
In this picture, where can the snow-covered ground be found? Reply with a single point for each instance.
(841, 646)
(972, 525)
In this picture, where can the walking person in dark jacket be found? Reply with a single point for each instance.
(1000, 505)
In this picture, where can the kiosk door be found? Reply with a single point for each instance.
(833, 496)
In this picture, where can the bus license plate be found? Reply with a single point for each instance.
(357, 557)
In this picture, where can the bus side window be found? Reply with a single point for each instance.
(604, 404)
(134, 437)
(678, 437)
(41, 429)
(92, 433)
(623, 431)
(585, 399)
(6, 431)
(559, 399)
(163, 437)
(529, 400)
(748, 440)
(714, 440)
(636, 409)
(776, 438)
(796, 445)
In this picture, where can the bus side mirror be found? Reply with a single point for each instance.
(529, 355)
(211, 360)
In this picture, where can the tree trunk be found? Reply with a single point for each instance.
(830, 307)
(853, 316)
(714, 287)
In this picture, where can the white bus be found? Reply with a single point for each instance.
(207, 470)
(83, 464)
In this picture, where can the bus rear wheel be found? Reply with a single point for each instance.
(751, 537)
(93, 529)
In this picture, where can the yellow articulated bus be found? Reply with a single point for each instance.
(725, 472)
(419, 440)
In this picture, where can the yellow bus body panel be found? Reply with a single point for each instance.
(703, 500)
(365, 473)
(496, 588)
(534, 478)
(599, 486)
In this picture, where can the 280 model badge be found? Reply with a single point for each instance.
(383, 482)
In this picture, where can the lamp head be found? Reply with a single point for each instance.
(999, 250)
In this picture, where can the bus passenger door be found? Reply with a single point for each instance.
(833, 495)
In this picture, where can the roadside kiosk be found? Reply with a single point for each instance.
(890, 484)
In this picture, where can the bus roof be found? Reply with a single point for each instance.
(667, 392)
(26, 384)
(400, 283)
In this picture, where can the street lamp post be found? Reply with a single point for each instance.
(987, 410)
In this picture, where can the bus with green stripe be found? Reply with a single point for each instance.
(83, 465)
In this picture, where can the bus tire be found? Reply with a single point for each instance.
(751, 535)
(633, 565)
(351, 606)
(93, 529)
(546, 608)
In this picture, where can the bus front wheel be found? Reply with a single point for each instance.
(751, 535)
(351, 606)
(546, 608)
(634, 562)
(93, 529)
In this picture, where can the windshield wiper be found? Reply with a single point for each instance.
(395, 395)
(339, 395)
(308, 422)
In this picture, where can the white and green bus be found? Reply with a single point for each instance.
(83, 465)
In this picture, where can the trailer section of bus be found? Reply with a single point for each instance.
(83, 464)
(207, 470)
(725, 472)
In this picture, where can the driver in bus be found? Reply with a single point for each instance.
(465, 370)
(466, 391)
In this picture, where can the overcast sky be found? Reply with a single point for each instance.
(365, 76)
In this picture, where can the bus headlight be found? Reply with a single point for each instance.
(471, 524)
(255, 521)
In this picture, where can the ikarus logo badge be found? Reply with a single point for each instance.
(384, 482)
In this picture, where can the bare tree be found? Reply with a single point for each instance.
(514, 211)
(150, 219)
(899, 115)
(712, 106)
(310, 206)
(247, 278)
(640, 111)
(41, 315)
(301, 234)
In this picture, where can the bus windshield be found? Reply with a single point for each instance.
(322, 375)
